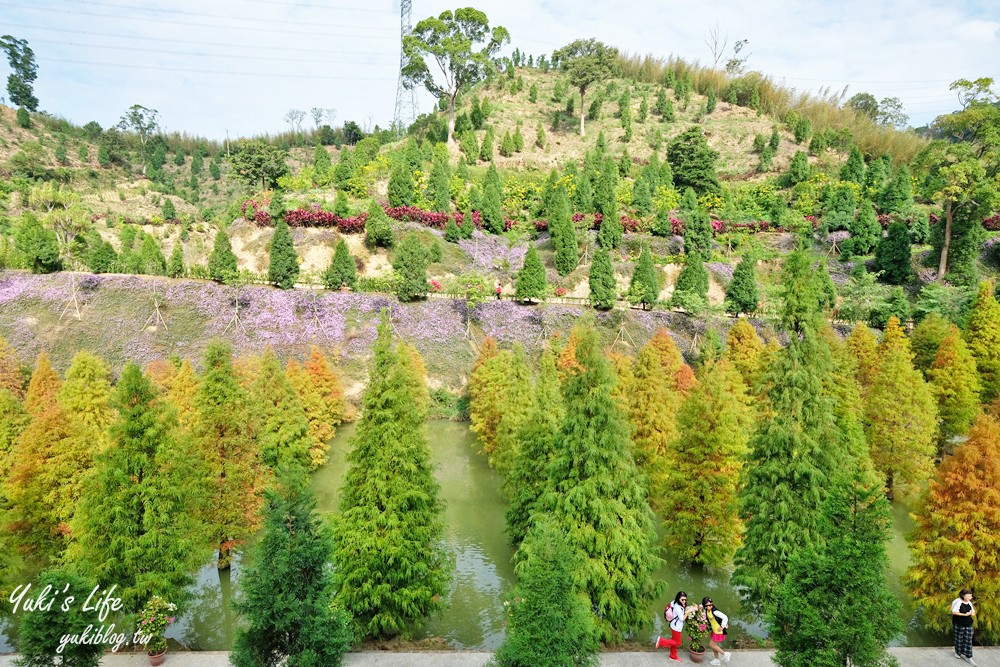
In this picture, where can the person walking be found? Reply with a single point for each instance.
(719, 624)
(674, 614)
(962, 614)
(499, 291)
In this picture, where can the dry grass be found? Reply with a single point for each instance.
(824, 110)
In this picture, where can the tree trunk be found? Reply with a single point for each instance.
(889, 484)
(451, 117)
(582, 111)
(943, 263)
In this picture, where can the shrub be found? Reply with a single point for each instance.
(892, 255)
(378, 228)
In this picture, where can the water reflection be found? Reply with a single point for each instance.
(482, 569)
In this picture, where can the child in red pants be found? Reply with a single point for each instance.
(674, 614)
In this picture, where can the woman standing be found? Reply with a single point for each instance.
(962, 613)
(719, 623)
(674, 614)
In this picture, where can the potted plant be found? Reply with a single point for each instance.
(153, 621)
(697, 631)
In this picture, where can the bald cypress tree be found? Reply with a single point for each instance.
(225, 441)
(954, 383)
(524, 483)
(138, 526)
(597, 497)
(43, 387)
(958, 533)
(11, 377)
(389, 566)
(926, 340)
(714, 426)
(795, 454)
(745, 350)
(982, 334)
(282, 427)
(492, 204)
(900, 414)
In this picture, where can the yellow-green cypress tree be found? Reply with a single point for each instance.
(982, 333)
(282, 428)
(745, 349)
(955, 385)
(900, 414)
(701, 510)
(43, 386)
(321, 428)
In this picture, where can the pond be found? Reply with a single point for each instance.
(474, 532)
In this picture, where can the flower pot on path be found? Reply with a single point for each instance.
(157, 658)
(696, 656)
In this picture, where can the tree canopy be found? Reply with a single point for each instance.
(586, 61)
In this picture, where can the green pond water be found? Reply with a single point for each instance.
(474, 519)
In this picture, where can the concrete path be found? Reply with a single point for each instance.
(908, 657)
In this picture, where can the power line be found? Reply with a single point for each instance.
(282, 75)
(212, 55)
(199, 24)
(91, 3)
(184, 41)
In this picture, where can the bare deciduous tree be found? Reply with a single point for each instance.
(294, 119)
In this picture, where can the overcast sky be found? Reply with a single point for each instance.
(239, 65)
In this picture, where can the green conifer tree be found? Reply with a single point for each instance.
(982, 334)
(693, 162)
(697, 227)
(151, 256)
(43, 630)
(714, 425)
(342, 270)
(282, 428)
(609, 236)
(340, 207)
(222, 262)
(865, 232)
(486, 148)
(492, 205)
(854, 169)
(169, 210)
(524, 483)
(798, 168)
(549, 624)
(401, 184)
(691, 289)
(288, 590)
(567, 253)
(795, 454)
(742, 294)
(893, 256)
(642, 197)
(604, 193)
(440, 184)
(452, 232)
(597, 497)
(379, 232)
(175, 267)
(389, 566)
(845, 573)
(410, 264)
(38, 245)
(603, 286)
(645, 286)
(530, 284)
(138, 526)
(283, 269)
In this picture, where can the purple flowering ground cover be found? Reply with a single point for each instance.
(117, 320)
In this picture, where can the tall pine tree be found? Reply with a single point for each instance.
(287, 589)
(389, 565)
(603, 286)
(645, 286)
(982, 333)
(283, 269)
(138, 526)
(596, 495)
(529, 284)
(954, 383)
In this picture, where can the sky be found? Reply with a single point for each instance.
(219, 68)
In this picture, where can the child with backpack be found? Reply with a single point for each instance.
(674, 615)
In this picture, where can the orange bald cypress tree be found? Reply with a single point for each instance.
(11, 377)
(327, 383)
(43, 387)
(957, 538)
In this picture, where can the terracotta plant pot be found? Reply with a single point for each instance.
(157, 658)
(696, 656)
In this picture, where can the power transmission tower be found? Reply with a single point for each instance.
(406, 99)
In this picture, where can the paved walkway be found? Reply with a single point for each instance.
(908, 657)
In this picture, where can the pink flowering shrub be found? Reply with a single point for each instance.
(256, 212)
